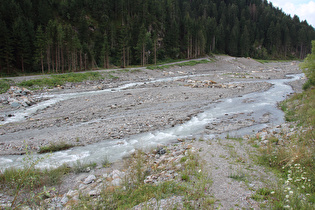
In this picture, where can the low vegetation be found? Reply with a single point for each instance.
(309, 68)
(294, 161)
(4, 85)
(29, 185)
(55, 147)
(191, 186)
(188, 63)
(61, 79)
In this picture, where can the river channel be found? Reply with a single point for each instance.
(253, 112)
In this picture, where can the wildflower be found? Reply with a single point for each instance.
(291, 192)
(307, 194)
(286, 206)
(199, 171)
(272, 192)
(287, 196)
(303, 186)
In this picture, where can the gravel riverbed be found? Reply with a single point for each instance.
(140, 108)
(150, 106)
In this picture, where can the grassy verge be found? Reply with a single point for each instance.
(188, 63)
(273, 61)
(191, 185)
(294, 159)
(61, 79)
(29, 186)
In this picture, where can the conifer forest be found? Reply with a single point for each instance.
(55, 36)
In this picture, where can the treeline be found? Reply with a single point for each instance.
(74, 35)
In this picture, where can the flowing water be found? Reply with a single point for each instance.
(257, 105)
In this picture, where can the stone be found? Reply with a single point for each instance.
(116, 182)
(91, 178)
(94, 193)
(64, 200)
(161, 151)
(15, 104)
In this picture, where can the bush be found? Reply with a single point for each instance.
(309, 68)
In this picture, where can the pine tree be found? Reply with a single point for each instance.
(40, 44)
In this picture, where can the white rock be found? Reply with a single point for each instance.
(91, 178)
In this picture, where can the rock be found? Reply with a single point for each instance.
(91, 178)
(64, 200)
(94, 193)
(117, 182)
(161, 151)
(15, 104)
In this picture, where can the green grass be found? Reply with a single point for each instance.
(5, 85)
(273, 61)
(192, 186)
(61, 79)
(294, 161)
(80, 167)
(55, 147)
(188, 63)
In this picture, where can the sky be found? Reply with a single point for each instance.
(305, 9)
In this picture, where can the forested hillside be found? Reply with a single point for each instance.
(73, 35)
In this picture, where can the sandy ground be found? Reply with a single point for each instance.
(141, 108)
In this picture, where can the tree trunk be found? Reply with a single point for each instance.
(124, 57)
(42, 61)
(81, 61)
(62, 62)
(48, 58)
(155, 51)
(22, 62)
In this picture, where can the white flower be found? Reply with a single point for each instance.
(286, 207)
(287, 196)
(291, 192)
(303, 186)
(272, 192)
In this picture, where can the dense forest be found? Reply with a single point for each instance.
(72, 35)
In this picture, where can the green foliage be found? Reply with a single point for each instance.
(61, 79)
(4, 85)
(80, 35)
(294, 162)
(309, 68)
(55, 147)
(192, 185)
(188, 63)
(80, 167)
(28, 185)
